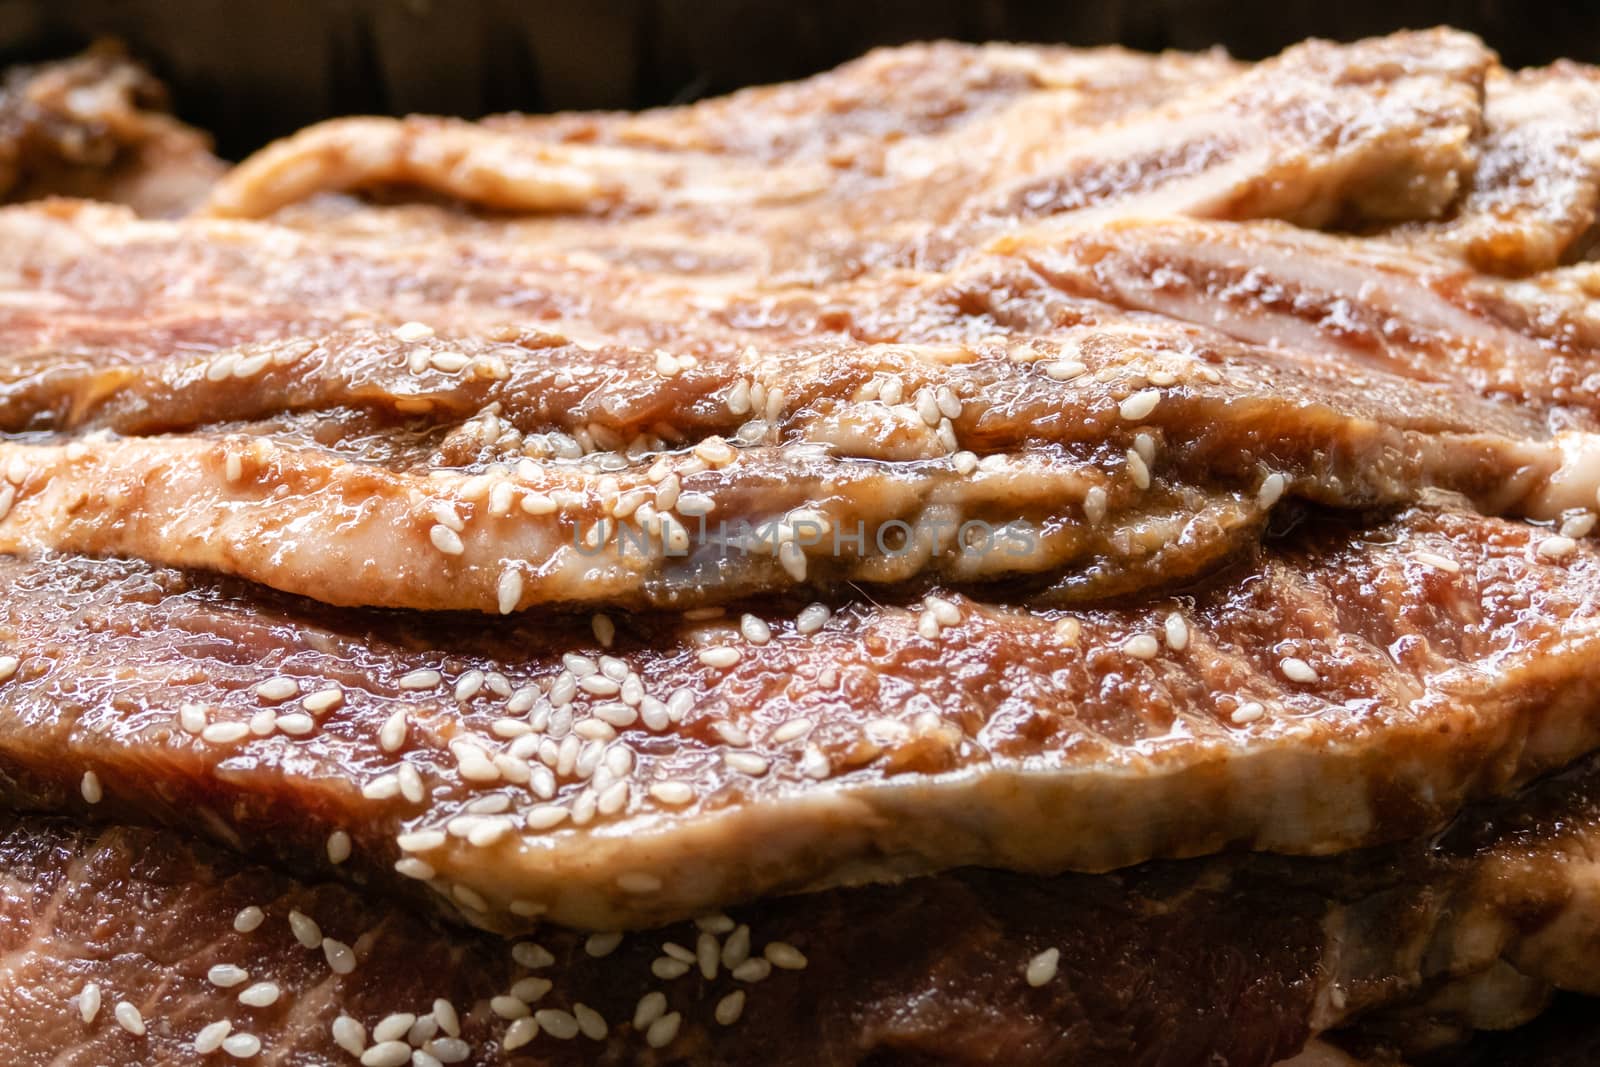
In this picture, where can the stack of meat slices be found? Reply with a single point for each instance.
(989, 555)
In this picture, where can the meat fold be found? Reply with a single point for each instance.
(1233, 958)
(1356, 302)
(877, 464)
(1348, 687)
(1536, 188)
(1381, 130)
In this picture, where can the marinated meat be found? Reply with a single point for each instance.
(1382, 130)
(1536, 190)
(96, 126)
(1205, 961)
(1359, 302)
(355, 569)
(1348, 688)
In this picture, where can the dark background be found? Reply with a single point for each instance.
(250, 70)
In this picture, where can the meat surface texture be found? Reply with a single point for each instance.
(96, 127)
(1130, 515)
(1203, 961)
(1340, 690)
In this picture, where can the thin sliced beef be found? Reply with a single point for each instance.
(96, 126)
(1206, 961)
(1535, 193)
(1353, 687)
(1105, 461)
(1352, 301)
(1380, 130)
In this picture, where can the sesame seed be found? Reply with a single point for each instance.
(664, 1030)
(278, 689)
(323, 700)
(387, 1054)
(446, 540)
(192, 718)
(383, 787)
(1271, 490)
(1557, 547)
(209, 1039)
(508, 590)
(1095, 504)
(452, 1049)
(1177, 632)
(784, 955)
(509, 1007)
(350, 1035)
(90, 788)
(449, 1018)
(232, 467)
(421, 840)
(746, 763)
(393, 1027)
(411, 332)
(599, 685)
(1063, 370)
(755, 630)
(242, 1046)
(638, 882)
(708, 954)
(519, 1033)
(534, 503)
(590, 1022)
(225, 733)
(722, 656)
(128, 1018)
(1248, 713)
(263, 723)
(89, 1002)
(672, 792)
(1042, 968)
(557, 1023)
(1138, 469)
(1438, 562)
(411, 867)
(422, 679)
(411, 786)
(754, 970)
(260, 995)
(813, 618)
(1298, 670)
(730, 733)
(736, 949)
(651, 1007)
(296, 724)
(531, 989)
(1580, 525)
(468, 686)
(392, 735)
(1141, 646)
(729, 1008)
(226, 975)
(534, 956)
(421, 1057)
(793, 560)
(306, 931)
(249, 919)
(1139, 405)
(666, 968)
(944, 612)
(792, 730)
(338, 847)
